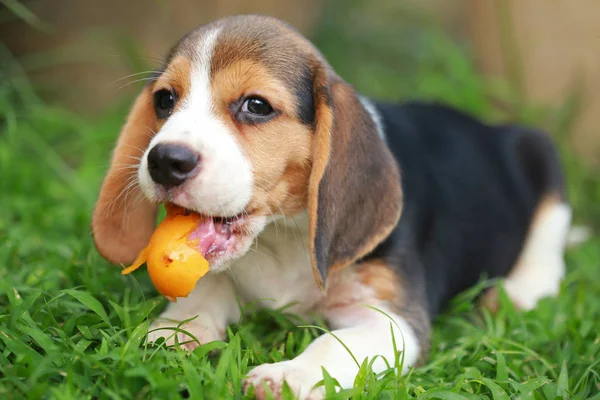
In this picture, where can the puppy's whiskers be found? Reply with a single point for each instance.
(153, 72)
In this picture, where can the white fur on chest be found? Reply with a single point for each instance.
(276, 271)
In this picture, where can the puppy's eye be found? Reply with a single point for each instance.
(258, 106)
(164, 102)
(253, 110)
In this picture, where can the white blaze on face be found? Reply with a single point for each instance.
(223, 186)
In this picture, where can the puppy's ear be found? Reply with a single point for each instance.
(124, 219)
(354, 194)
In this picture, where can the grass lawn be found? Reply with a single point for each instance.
(71, 327)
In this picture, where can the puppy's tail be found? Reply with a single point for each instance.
(540, 168)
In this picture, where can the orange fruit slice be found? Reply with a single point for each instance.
(174, 263)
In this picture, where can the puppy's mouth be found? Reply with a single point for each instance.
(218, 236)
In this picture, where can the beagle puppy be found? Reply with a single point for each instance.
(370, 215)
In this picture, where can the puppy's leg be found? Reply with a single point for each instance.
(212, 303)
(364, 331)
(540, 267)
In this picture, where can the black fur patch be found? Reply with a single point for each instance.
(305, 98)
(470, 192)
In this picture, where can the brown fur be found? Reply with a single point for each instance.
(320, 159)
(353, 170)
(388, 286)
(268, 41)
(247, 77)
(176, 77)
(338, 168)
(382, 279)
(278, 150)
(123, 219)
(366, 282)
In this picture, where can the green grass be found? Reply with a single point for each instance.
(71, 327)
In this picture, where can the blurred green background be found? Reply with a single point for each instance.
(69, 69)
(70, 325)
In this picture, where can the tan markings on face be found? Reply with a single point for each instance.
(263, 39)
(279, 150)
(176, 77)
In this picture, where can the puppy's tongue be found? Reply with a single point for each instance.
(213, 236)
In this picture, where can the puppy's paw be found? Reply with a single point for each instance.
(298, 377)
(201, 333)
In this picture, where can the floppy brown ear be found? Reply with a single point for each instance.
(124, 219)
(354, 196)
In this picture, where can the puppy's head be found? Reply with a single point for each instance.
(247, 122)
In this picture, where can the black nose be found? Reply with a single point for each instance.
(171, 164)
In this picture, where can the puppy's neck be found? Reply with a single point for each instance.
(297, 223)
(277, 271)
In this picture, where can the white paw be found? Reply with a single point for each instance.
(170, 330)
(299, 378)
